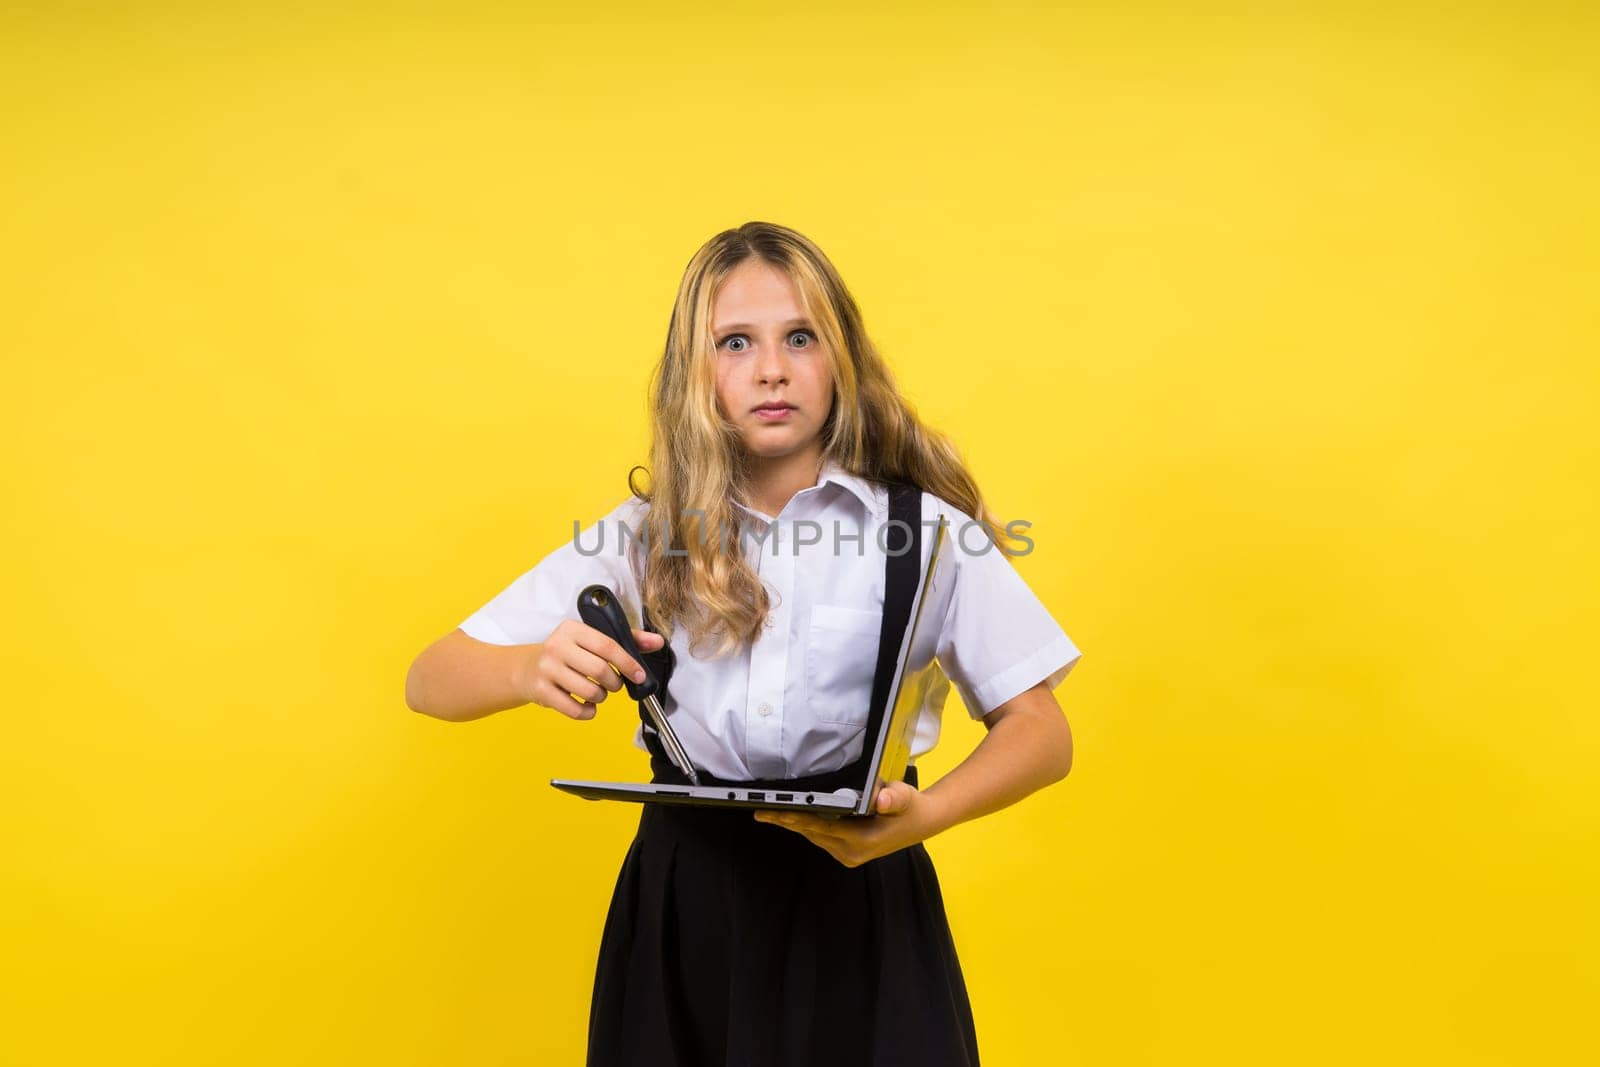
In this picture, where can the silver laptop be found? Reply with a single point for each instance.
(890, 753)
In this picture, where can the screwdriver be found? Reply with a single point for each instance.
(599, 607)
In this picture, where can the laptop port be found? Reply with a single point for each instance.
(758, 796)
(732, 795)
(784, 796)
(810, 799)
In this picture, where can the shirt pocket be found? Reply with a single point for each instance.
(841, 657)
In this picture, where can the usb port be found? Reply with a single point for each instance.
(783, 796)
(758, 796)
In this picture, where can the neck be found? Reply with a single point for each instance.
(774, 480)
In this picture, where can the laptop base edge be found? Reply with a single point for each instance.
(828, 805)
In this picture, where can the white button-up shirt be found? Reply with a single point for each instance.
(795, 702)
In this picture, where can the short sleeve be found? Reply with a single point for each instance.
(998, 639)
(526, 611)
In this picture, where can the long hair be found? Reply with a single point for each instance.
(697, 457)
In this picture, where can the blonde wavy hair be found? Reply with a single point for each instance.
(697, 456)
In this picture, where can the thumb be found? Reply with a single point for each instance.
(648, 638)
(895, 798)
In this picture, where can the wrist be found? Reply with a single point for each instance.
(524, 668)
(938, 816)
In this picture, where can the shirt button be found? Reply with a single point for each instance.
(764, 709)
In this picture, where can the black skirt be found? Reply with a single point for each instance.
(736, 943)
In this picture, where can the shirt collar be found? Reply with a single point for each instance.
(862, 489)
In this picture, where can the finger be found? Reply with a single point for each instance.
(594, 668)
(648, 640)
(812, 829)
(608, 650)
(551, 697)
(835, 846)
(586, 690)
(845, 851)
(793, 820)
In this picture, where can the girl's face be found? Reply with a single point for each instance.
(767, 353)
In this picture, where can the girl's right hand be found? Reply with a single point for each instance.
(571, 671)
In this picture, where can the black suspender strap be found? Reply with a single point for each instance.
(903, 543)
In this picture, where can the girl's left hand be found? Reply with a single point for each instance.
(903, 818)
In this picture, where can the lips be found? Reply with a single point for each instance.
(774, 407)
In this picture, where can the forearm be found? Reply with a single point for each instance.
(1022, 753)
(458, 678)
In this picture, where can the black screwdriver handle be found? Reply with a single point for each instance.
(599, 607)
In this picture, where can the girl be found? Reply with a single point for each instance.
(779, 938)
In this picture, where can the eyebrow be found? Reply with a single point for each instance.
(747, 326)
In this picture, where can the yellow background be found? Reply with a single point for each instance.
(321, 326)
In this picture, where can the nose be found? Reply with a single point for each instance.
(772, 366)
